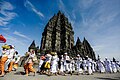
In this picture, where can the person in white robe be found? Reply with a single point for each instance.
(89, 63)
(93, 66)
(16, 59)
(117, 64)
(84, 66)
(66, 62)
(114, 67)
(10, 54)
(108, 66)
(54, 64)
(78, 64)
(72, 66)
(48, 62)
(101, 67)
(62, 66)
(42, 58)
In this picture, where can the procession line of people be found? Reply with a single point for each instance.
(52, 64)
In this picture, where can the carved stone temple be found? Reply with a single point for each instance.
(58, 35)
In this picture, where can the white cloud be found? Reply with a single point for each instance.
(86, 3)
(100, 24)
(64, 9)
(7, 13)
(6, 6)
(98, 48)
(6, 28)
(61, 5)
(21, 35)
(29, 5)
(3, 23)
(73, 14)
(97, 16)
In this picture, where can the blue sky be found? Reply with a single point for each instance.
(22, 21)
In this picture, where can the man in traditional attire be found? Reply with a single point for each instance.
(108, 66)
(47, 62)
(117, 66)
(89, 63)
(78, 64)
(29, 63)
(93, 66)
(62, 67)
(2, 61)
(26, 60)
(72, 66)
(84, 66)
(40, 66)
(16, 60)
(66, 62)
(101, 67)
(54, 63)
(9, 62)
(114, 67)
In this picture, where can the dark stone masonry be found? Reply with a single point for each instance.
(58, 36)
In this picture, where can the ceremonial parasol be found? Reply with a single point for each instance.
(2, 39)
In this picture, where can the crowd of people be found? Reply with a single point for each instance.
(9, 59)
(52, 64)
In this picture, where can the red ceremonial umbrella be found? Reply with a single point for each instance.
(2, 39)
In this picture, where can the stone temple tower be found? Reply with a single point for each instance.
(58, 34)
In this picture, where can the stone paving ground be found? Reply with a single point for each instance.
(96, 76)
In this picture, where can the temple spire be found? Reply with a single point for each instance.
(58, 35)
(59, 12)
(84, 39)
(32, 46)
(78, 42)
